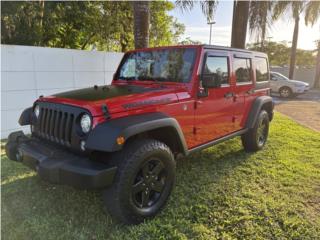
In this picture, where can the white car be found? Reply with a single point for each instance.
(285, 86)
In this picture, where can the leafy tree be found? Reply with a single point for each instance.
(84, 25)
(279, 54)
(189, 41)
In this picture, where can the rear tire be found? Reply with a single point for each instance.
(144, 181)
(256, 137)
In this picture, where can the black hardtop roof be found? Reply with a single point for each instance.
(239, 50)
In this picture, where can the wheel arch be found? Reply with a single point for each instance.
(166, 134)
(152, 125)
(260, 103)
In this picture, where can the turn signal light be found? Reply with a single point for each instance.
(120, 140)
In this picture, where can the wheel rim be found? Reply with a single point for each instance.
(149, 183)
(262, 132)
(285, 92)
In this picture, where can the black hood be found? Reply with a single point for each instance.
(104, 92)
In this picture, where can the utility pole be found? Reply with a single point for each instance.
(210, 23)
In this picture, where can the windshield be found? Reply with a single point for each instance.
(165, 65)
(280, 76)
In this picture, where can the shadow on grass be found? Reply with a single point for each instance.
(33, 208)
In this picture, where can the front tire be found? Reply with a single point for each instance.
(285, 92)
(144, 181)
(256, 137)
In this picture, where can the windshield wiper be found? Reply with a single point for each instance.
(127, 78)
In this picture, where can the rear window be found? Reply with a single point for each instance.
(262, 72)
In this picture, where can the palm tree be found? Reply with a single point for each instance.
(141, 15)
(257, 12)
(296, 8)
(208, 7)
(260, 20)
(239, 23)
(311, 9)
(312, 14)
(316, 83)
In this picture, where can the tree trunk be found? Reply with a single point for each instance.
(239, 24)
(316, 83)
(141, 12)
(294, 48)
(41, 12)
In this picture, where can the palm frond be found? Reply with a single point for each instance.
(260, 18)
(185, 5)
(208, 7)
(312, 12)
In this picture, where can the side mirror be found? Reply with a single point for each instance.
(211, 80)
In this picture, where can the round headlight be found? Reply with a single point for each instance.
(36, 111)
(85, 123)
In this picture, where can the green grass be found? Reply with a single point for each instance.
(221, 193)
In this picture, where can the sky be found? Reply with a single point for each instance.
(282, 30)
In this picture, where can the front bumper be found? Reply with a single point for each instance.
(300, 90)
(57, 165)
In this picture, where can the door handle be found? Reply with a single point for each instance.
(229, 95)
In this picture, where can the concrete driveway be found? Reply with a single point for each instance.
(305, 109)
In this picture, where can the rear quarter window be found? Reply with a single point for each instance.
(262, 70)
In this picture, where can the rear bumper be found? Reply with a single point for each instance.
(59, 166)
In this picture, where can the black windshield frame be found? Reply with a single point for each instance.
(176, 73)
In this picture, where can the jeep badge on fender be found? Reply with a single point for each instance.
(125, 138)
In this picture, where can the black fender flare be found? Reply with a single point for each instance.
(257, 105)
(26, 117)
(104, 136)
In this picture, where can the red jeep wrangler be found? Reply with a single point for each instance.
(162, 103)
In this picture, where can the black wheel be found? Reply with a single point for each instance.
(145, 178)
(285, 92)
(256, 138)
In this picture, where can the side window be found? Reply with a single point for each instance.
(262, 72)
(273, 77)
(242, 68)
(218, 66)
(129, 71)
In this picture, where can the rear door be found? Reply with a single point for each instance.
(215, 106)
(244, 87)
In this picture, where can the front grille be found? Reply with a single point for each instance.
(56, 125)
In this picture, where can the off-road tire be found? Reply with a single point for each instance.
(251, 140)
(119, 199)
(285, 92)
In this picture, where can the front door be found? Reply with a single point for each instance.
(215, 106)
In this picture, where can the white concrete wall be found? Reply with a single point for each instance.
(28, 72)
